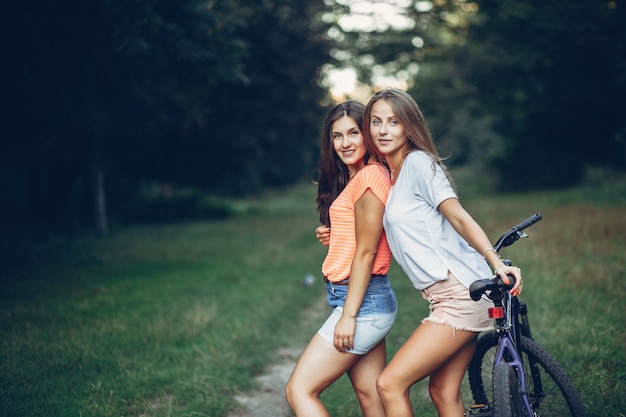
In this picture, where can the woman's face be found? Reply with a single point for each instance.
(348, 143)
(387, 132)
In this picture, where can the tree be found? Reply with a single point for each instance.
(264, 131)
(533, 90)
(552, 75)
(155, 90)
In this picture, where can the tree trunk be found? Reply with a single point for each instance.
(99, 195)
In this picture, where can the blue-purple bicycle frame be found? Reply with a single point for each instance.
(507, 343)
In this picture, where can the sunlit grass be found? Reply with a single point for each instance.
(167, 320)
(173, 320)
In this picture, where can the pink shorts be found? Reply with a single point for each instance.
(450, 304)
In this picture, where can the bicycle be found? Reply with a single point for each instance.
(522, 378)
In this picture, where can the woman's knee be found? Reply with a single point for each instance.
(367, 395)
(289, 392)
(443, 396)
(384, 385)
(294, 392)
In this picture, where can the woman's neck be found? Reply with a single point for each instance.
(353, 169)
(395, 160)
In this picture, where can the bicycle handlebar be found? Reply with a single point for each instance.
(515, 232)
(479, 287)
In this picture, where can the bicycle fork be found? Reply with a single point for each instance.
(506, 349)
(533, 365)
(509, 349)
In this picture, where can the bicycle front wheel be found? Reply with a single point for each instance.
(506, 397)
(550, 391)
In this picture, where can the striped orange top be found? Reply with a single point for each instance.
(342, 248)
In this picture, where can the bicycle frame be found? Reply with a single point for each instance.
(506, 313)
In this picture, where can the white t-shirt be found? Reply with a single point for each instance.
(422, 241)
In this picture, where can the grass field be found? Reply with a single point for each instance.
(172, 320)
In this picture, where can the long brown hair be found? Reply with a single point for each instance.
(410, 116)
(333, 173)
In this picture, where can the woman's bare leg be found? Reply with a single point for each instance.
(319, 366)
(445, 382)
(427, 350)
(363, 375)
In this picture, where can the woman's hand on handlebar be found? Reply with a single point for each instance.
(504, 270)
(322, 233)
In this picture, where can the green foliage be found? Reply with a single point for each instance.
(550, 73)
(273, 134)
(225, 95)
(529, 91)
(221, 95)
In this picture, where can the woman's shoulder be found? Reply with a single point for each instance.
(376, 169)
(419, 156)
(418, 161)
(373, 176)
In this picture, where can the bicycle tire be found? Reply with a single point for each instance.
(560, 398)
(506, 396)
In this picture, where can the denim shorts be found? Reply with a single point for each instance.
(450, 304)
(375, 318)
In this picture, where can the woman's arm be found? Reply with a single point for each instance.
(473, 234)
(368, 212)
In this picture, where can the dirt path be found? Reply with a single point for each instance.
(269, 399)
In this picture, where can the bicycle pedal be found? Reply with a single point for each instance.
(479, 410)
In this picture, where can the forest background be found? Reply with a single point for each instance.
(153, 110)
(157, 163)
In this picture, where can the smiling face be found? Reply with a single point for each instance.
(348, 143)
(387, 132)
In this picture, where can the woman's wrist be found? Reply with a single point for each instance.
(493, 259)
(489, 250)
(496, 269)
